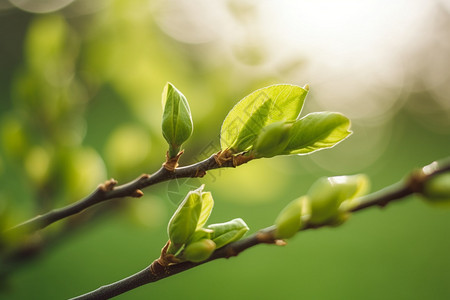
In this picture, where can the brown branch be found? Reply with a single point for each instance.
(157, 270)
(109, 190)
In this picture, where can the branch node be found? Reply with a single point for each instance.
(416, 181)
(172, 163)
(223, 156)
(137, 194)
(226, 157)
(280, 242)
(157, 268)
(241, 159)
(108, 185)
(164, 260)
(144, 176)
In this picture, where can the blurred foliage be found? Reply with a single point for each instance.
(81, 102)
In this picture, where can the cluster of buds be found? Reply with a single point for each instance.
(328, 202)
(190, 239)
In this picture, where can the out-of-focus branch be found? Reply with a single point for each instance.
(109, 190)
(159, 269)
(39, 243)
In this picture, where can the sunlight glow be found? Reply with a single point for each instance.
(345, 49)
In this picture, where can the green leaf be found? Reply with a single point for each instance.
(199, 234)
(184, 221)
(207, 206)
(249, 116)
(177, 123)
(252, 127)
(225, 233)
(317, 131)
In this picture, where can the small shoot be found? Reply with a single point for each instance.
(267, 123)
(190, 238)
(177, 125)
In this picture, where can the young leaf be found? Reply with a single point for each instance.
(317, 131)
(252, 127)
(184, 221)
(225, 233)
(200, 234)
(249, 116)
(177, 120)
(207, 206)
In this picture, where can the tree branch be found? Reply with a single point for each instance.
(38, 243)
(109, 190)
(159, 270)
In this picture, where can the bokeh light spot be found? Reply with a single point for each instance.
(46, 6)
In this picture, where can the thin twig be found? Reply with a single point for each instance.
(38, 243)
(157, 271)
(108, 190)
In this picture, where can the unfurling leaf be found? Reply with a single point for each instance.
(177, 120)
(332, 197)
(291, 218)
(200, 234)
(248, 134)
(207, 206)
(225, 233)
(185, 219)
(189, 240)
(317, 131)
(272, 140)
(249, 116)
(199, 251)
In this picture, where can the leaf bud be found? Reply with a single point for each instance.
(273, 139)
(292, 217)
(225, 233)
(437, 189)
(177, 122)
(333, 196)
(199, 251)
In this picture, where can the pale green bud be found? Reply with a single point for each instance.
(437, 189)
(225, 233)
(184, 221)
(292, 217)
(328, 194)
(199, 251)
(272, 140)
(177, 122)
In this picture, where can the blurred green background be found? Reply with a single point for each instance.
(80, 90)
